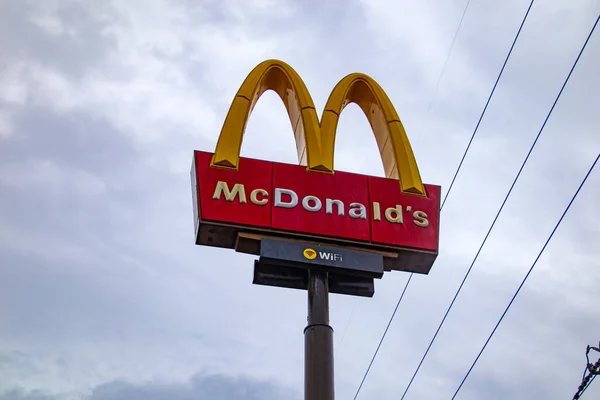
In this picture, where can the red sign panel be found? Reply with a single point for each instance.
(265, 196)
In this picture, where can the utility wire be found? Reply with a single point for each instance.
(411, 274)
(383, 336)
(501, 207)
(459, 165)
(437, 85)
(487, 102)
(551, 234)
(347, 324)
(526, 276)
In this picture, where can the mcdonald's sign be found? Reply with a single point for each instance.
(239, 199)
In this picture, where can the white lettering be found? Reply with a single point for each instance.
(280, 203)
(314, 208)
(330, 256)
(329, 206)
(394, 215)
(420, 219)
(254, 197)
(223, 188)
(376, 211)
(287, 198)
(357, 210)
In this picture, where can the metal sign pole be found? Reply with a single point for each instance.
(318, 341)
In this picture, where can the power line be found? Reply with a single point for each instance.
(437, 85)
(526, 276)
(411, 274)
(383, 336)
(501, 207)
(487, 103)
(347, 323)
(459, 166)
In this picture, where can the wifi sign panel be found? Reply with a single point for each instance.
(336, 258)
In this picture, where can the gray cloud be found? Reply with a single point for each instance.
(97, 262)
(21, 395)
(69, 36)
(199, 387)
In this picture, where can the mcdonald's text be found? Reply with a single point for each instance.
(287, 198)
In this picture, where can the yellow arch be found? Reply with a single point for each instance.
(285, 81)
(315, 142)
(396, 153)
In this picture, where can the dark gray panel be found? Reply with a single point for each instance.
(279, 275)
(336, 258)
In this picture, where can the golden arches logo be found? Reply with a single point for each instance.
(315, 140)
(309, 253)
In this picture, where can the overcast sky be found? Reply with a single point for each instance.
(103, 294)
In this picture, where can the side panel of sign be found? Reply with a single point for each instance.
(195, 204)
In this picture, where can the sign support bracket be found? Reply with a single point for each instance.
(318, 340)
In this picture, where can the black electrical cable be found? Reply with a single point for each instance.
(437, 85)
(383, 336)
(487, 102)
(502, 206)
(462, 17)
(527, 275)
(461, 161)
